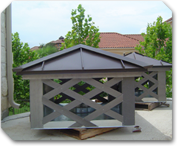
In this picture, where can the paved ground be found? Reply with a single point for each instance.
(155, 124)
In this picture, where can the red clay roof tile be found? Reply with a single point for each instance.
(170, 19)
(114, 40)
(58, 41)
(135, 36)
(117, 40)
(35, 48)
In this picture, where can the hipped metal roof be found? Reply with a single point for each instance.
(81, 58)
(148, 60)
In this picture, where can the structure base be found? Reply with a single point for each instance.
(82, 134)
(146, 106)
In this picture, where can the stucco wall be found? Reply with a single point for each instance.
(4, 90)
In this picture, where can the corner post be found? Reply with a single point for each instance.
(36, 105)
(161, 86)
(128, 105)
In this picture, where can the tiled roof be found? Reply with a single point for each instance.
(112, 40)
(135, 36)
(35, 48)
(58, 41)
(169, 20)
(117, 40)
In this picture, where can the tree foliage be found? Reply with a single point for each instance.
(83, 30)
(46, 50)
(157, 44)
(21, 55)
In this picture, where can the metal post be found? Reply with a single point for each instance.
(128, 104)
(161, 86)
(36, 105)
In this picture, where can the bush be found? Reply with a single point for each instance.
(46, 50)
(21, 55)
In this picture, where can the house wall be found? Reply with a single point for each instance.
(4, 85)
(119, 51)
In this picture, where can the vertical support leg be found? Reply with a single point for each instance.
(36, 105)
(128, 104)
(46, 109)
(161, 86)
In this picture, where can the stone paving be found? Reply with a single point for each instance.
(155, 124)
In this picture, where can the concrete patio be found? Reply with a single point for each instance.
(155, 124)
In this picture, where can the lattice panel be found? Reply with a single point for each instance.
(146, 86)
(72, 90)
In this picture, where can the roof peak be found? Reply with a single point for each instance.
(110, 33)
(80, 47)
(131, 34)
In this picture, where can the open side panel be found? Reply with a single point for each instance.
(76, 103)
(150, 87)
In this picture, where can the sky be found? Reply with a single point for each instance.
(39, 22)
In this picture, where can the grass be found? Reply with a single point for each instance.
(19, 111)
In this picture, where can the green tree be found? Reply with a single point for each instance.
(157, 44)
(21, 55)
(83, 30)
(46, 50)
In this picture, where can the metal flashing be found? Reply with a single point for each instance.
(82, 62)
(43, 65)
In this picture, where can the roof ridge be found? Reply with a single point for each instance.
(110, 33)
(119, 34)
(131, 34)
(131, 38)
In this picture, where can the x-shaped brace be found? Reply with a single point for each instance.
(147, 91)
(83, 99)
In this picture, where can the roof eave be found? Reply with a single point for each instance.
(80, 71)
(17, 69)
(45, 58)
(148, 66)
